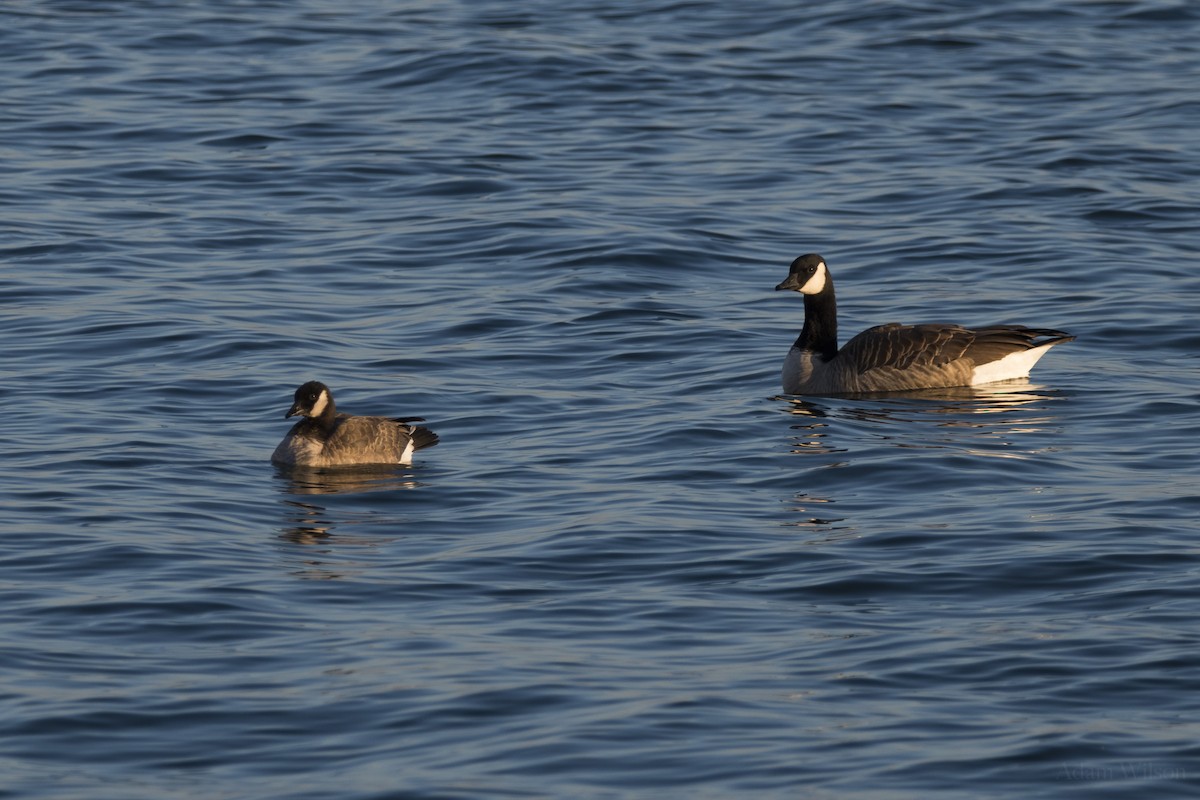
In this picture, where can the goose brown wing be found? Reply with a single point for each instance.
(994, 342)
(374, 440)
(935, 345)
(904, 347)
(395, 433)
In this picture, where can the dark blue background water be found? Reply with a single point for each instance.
(630, 568)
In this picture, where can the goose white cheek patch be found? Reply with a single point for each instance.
(815, 284)
(319, 407)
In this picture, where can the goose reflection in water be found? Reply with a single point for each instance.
(989, 412)
(993, 398)
(863, 452)
(324, 554)
(309, 524)
(307, 481)
(813, 514)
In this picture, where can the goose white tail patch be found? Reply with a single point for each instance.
(406, 456)
(1013, 365)
(815, 284)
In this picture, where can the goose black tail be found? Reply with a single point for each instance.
(1040, 336)
(423, 437)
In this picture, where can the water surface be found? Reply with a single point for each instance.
(631, 568)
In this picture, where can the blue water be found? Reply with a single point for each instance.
(631, 568)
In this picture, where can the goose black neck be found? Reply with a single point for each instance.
(328, 416)
(819, 333)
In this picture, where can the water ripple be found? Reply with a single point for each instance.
(630, 566)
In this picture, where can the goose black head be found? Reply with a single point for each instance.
(808, 275)
(312, 400)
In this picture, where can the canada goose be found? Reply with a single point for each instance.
(895, 357)
(325, 438)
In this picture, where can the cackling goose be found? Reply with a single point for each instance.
(325, 438)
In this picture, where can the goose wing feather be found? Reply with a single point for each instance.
(369, 439)
(994, 342)
(903, 347)
(936, 345)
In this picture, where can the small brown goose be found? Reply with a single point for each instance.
(325, 438)
(895, 357)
